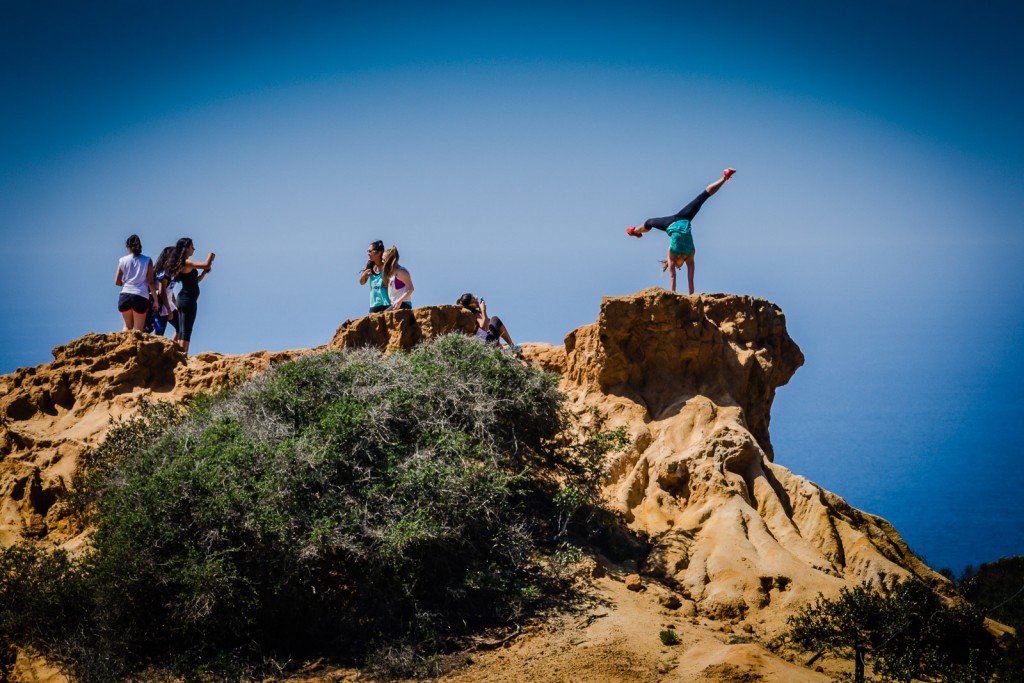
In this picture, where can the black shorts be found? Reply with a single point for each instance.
(133, 302)
(380, 309)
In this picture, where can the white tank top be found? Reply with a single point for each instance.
(396, 287)
(133, 273)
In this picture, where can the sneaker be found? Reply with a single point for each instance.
(632, 232)
(728, 173)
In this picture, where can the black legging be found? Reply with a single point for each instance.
(494, 328)
(187, 309)
(187, 298)
(685, 213)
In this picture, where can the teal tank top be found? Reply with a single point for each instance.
(680, 239)
(378, 292)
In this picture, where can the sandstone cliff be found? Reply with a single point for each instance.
(395, 330)
(51, 414)
(692, 379)
(736, 537)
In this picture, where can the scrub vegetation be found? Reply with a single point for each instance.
(905, 634)
(997, 588)
(359, 507)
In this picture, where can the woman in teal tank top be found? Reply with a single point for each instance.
(374, 274)
(677, 226)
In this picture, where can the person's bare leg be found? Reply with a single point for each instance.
(506, 337)
(717, 185)
(671, 270)
(689, 271)
(129, 319)
(139, 321)
(184, 346)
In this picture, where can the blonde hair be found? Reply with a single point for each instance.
(390, 260)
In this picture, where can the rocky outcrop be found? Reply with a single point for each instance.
(395, 330)
(692, 379)
(51, 414)
(659, 349)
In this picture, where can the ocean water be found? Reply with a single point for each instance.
(928, 440)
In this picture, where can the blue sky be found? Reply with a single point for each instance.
(504, 149)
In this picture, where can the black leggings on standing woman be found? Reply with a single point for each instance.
(187, 317)
(187, 303)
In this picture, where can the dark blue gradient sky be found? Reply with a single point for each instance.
(504, 149)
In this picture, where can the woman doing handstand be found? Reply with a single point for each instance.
(677, 226)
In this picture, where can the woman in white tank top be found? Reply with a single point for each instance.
(399, 281)
(135, 278)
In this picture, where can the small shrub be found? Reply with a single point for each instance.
(41, 599)
(908, 633)
(669, 637)
(580, 453)
(997, 589)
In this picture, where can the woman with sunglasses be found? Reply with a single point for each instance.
(374, 274)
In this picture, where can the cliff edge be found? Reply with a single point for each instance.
(692, 379)
(737, 540)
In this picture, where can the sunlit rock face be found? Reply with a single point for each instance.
(692, 379)
(403, 329)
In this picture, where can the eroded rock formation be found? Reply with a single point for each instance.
(691, 378)
(51, 414)
(403, 329)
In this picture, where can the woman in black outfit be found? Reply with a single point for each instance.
(186, 271)
(488, 328)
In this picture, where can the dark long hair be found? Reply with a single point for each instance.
(176, 262)
(163, 260)
(134, 244)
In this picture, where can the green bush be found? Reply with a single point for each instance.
(908, 633)
(344, 504)
(997, 589)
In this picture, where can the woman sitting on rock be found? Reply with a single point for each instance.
(400, 287)
(490, 329)
(374, 274)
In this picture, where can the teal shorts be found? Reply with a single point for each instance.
(681, 241)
